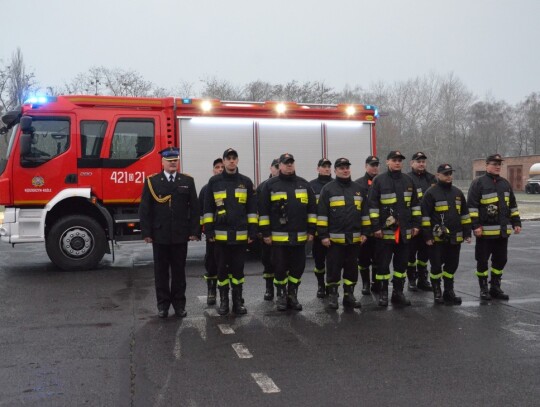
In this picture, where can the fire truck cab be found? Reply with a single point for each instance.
(72, 168)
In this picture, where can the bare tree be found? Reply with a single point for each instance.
(220, 89)
(16, 83)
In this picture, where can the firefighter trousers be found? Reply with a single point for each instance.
(368, 254)
(496, 248)
(418, 253)
(230, 259)
(342, 256)
(444, 259)
(395, 253)
(319, 254)
(266, 260)
(288, 263)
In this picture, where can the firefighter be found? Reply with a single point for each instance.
(324, 168)
(169, 216)
(340, 228)
(209, 258)
(417, 272)
(395, 217)
(266, 250)
(446, 224)
(369, 249)
(494, 215)
(287, 221)
(230, 220)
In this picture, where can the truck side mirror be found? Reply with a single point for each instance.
(26, 124)
(25, 143)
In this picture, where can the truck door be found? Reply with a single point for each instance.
(129, 156)
(50, 164)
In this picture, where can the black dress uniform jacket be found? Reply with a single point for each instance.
(339, 212)
(492, 205)
(443, 204)
(394, 194)
(287, 210)
(169, 211)
(230, 209)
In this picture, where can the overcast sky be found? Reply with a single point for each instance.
(492, 46)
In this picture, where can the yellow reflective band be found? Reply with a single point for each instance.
(221, 237)
(490, 232)
(356, 239)
(421, 263)
(482, 273)
(337, 203)
(382, 277)
(416, 213)
(223, 283)
(374, 215)
(447, 275)
(322, 223)
(208, 219)
(238, 282)
(388, 201)
(281, 282)
(435, 276)
(312, 219)
(441, 208)
(399, 275)
(473, 214)
(220, 195)
(348, 282)
(389, 237)
(459, 239)
(302, 238)
(242, 196)
(337, 239)
(278, 196)
(294, 280)
(221, 212)
(241, 236)
(280, 238)
(426, 223)
(300, 195)
(515, 213)
(489, 200)
(366, 222)
(264, 222)
(252, 220)
(496, 271)
(407, 198)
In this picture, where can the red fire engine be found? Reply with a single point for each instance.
(72, 167)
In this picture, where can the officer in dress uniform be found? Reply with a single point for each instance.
(169, 216)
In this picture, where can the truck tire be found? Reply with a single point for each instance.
(528, 189)
(76, 243)
(536, 189)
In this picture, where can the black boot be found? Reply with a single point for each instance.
(398, 297)
(321, 287)
(383, 293)
(437, 294)
(223, 300)
(333, 296)
(495, 290)
(364, 274)
(281, 300)
(238, 305)
(411, 278)
(423, 282)
(349, 300)
(484, 291)
(449, 296)
(292, 297)
(269, 293)
(211, 296)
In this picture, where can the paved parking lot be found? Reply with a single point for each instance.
(93, 338)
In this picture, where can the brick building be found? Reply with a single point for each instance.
(514, 169)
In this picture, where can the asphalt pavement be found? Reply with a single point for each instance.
(93, 338)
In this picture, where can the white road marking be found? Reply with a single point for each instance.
(202, 298)
(242, 351)
(177, 352)
(225, 329)
(266, 384)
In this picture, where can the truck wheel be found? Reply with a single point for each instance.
(528, 189)
(537, 189)
(76, 243)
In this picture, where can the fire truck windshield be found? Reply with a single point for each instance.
(6, 143)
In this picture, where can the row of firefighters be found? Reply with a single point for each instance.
(357, 227)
